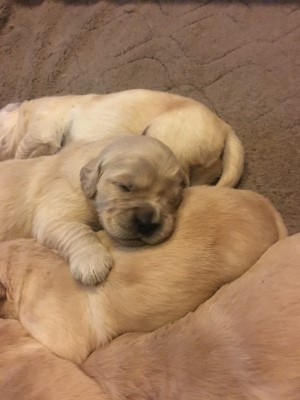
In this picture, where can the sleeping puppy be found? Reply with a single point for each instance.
(220, 233)
(198, 137)
(29, 371)
(131, 185)
(241, 344)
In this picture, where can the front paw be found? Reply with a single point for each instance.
(91, 266)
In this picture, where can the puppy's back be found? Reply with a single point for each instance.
(221, 233)
(243, 343)
(244, 224)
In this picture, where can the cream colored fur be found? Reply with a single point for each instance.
(220, 233)
(134, 198)
(242, 344)
(195, 134)
(29, 371)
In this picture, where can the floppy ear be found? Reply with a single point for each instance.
(89, 177)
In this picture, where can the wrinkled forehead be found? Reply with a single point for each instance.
(142, 172)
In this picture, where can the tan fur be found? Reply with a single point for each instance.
(220, 233)
(196, 135)
(42, 198)
(28, 371)
(242, 344)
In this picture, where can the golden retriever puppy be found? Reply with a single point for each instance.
(220, 233)
(241, 344)
(58, 199)
(29, 371)
(197, 137)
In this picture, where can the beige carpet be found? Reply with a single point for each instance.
(241, 58)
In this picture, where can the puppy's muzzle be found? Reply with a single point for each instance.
(146, 220)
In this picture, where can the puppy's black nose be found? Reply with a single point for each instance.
(144, 220)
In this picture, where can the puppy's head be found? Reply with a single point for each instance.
(137, 184)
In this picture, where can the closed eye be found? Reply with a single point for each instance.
(124, 188)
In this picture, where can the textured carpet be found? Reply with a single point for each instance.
(241, 58)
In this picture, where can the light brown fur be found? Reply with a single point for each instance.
(29, 371)
(58, 199)
(197, 136)
(220, 233)
(242, 344)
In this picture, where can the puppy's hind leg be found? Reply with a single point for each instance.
(206, 176)
(44, 136)
(35, 144)
(194, 137)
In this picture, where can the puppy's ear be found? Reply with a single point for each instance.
(89, 177)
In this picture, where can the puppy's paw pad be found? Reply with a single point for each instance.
(91, 267)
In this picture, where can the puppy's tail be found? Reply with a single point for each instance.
(8, 124)
(233, 160)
